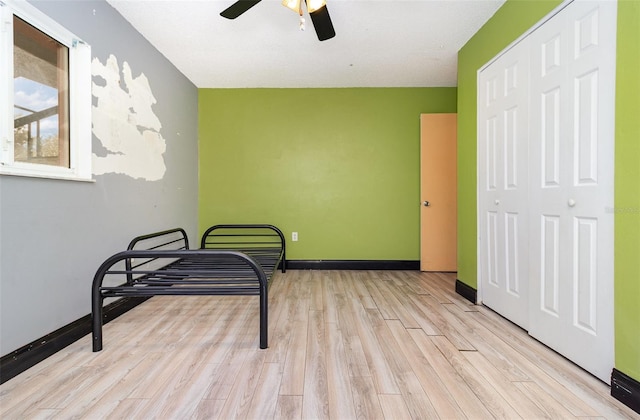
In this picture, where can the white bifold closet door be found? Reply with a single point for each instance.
(566, 268)
(503, 185)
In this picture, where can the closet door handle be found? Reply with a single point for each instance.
(426, 203)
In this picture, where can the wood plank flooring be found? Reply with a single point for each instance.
(342, 345)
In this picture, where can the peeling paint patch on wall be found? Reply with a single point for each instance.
(125, 124)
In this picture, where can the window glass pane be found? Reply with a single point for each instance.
(41, 97)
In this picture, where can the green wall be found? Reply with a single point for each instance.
(509, 22)
(339, 166)
(627, 190)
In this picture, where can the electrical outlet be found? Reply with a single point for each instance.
(294, 236)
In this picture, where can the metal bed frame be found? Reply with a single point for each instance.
(233, 260)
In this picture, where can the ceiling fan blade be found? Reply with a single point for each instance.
(322, 24)
(238, 8)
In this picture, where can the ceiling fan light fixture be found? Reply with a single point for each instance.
(315, 5)
(318, 11)
(295, 5)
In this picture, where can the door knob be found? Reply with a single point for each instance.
(426, 203)
(571, 202)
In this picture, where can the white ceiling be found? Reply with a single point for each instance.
(378, 43)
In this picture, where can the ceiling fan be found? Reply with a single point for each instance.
(317, 10)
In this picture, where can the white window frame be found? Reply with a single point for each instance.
(79, 96)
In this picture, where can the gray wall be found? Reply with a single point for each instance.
(54, 234)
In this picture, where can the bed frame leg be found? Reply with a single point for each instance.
(264, 322)
(96, 320)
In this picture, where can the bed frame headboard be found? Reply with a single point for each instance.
(171, 239)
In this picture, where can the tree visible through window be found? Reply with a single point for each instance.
(41, 97)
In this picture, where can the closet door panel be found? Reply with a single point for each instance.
(502, 183)
(571, 184)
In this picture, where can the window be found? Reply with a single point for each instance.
(46, 106)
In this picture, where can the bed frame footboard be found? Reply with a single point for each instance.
(191, 273)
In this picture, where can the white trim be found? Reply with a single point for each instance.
(6, 80)
(80, 136)
(44, 23)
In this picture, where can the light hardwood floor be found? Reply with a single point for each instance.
(342, 345)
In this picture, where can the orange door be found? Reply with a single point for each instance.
(438, 192)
